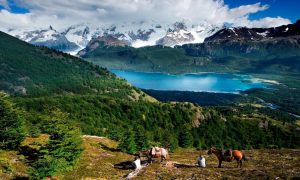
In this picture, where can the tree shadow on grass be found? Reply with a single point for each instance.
(126, 165)
(105, 147)
(21, 178)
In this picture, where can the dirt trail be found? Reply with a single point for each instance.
(135, 172)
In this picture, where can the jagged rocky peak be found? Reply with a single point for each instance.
(107, 40)
(143, 35)
(178, 34)
(80, 30)
(252, 34)
(49, 37)
(241, 33)
(79, 34)
(179, 26)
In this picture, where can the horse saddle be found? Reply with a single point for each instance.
(155, 150)
(227, 155)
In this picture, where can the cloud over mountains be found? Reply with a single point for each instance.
(61, 14)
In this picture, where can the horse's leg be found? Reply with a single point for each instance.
(161, 159)
(241, 163)
(238, 163)
(149, 160)
(220, 163)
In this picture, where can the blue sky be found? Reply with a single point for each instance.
(289, 9)
(62, 13)
(14, 8)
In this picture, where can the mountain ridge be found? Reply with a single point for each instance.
(255, 34)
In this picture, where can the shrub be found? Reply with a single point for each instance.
(5, 166)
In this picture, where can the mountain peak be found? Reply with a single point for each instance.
(252, 34)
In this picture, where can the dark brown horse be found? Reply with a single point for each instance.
(144, 153)
(229, 157)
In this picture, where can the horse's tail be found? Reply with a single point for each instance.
(165, 153)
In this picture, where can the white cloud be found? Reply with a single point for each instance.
(269, 22)
(62, 13)
(248, 9)
(4, 3)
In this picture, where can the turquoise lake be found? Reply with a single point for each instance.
(202, 82)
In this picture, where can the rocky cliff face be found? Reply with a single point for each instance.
(177, 35)
(102, 41)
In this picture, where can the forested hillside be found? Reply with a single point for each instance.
(37, 71)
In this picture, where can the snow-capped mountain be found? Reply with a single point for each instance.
(78, 34)
(47, 37)
(136, 34)
(255, 34)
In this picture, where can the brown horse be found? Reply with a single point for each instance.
(157, 152)
(144, 153)
(232, 155)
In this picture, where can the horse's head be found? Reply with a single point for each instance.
(211, 150)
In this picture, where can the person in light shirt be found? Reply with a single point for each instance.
(137, 162)
(201, 161)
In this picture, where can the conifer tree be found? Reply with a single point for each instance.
(141, 139)
(127, 143)
(12, 131)
(185, 138)
(62, 150)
